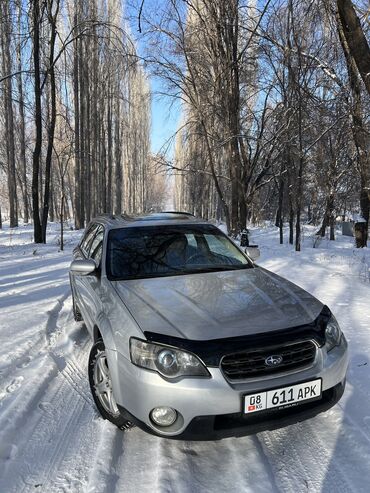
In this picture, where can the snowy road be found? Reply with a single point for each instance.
(52, 439)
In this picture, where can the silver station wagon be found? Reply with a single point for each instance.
(191, 339)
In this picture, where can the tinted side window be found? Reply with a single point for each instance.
(86, 242)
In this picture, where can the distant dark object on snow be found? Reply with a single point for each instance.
(347, 228)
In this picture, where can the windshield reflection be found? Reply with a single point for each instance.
(152, 251)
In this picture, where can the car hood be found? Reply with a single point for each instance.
(218, 304)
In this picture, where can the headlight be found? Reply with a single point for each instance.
(169, 362)
(333, 334)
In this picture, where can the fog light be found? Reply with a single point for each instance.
(163, 416)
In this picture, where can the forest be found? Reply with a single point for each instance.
(273, 103)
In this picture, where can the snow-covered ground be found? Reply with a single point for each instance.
(52, 439)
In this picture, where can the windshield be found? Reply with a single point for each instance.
(157, 251)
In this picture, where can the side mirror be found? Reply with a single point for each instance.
(253, 252)
(83, 267)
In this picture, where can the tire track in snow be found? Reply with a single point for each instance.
(54, 315)
(269, 469)
(317, 455)
(51, 426)
(104, 472)
(168, 466)
(78, 452)
(41, 343)
(48, 410)
(232, 464)
(58, 418)
(79, 384)
(357, 416)
(15, 413)
(139, 463)
(53, 418)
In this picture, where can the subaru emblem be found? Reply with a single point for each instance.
(274, 360)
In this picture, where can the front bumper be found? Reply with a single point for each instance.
(238, 425)
(211, 408)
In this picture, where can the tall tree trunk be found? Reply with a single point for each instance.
(103, 164)
(290, 196)
(22, 135)
(77, 153)
(51, 128)
(279, 213)
(38, 122)
(331, 217)
(224, 205)
(356, 41)
(89, 191)
(109, 152)
(9, 116)
(291, 222)
(118, 164)
(82, 129)
(232, 38)
(87, 134)
(321, 232)
(94, 117)
(299, 180)
(359, 135)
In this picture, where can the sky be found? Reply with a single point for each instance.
(165, 113)
(165, 117)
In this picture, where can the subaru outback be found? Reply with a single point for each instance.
(191, 339)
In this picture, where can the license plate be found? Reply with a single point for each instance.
(283, 397)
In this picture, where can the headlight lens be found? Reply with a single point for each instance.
(333, 334)
(169, 362)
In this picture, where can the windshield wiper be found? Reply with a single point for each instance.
(216, 268)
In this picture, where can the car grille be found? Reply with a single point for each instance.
(252, 363)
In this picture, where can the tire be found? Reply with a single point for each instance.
(101, 387)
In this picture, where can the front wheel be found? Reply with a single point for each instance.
(101, 386)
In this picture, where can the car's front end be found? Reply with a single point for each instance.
(194, 341)
(211, 389)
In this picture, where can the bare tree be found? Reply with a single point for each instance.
(358, 46)
(354, 48)
(6, 28)
(36, 18)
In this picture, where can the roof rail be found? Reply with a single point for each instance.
(107, 214)
(126, 216)
(183, 213)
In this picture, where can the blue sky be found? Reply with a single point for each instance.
(165, 118)
(165, 110)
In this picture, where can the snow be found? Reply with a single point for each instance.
(53, 440)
